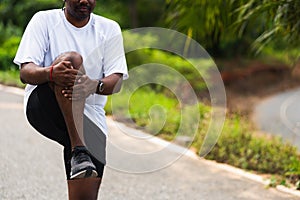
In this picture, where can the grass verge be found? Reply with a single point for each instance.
(11, 78)
(237, 145)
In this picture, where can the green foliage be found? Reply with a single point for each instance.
(11, 77)
(7, 31)
(9, 42)
(229, 27)
(7, 53)
(14, 17)
(236, 146)
(131, 38)
(19, 13)
(147, 109)
(193, 70)
(281, 19)
(292, 170)
(132, 13)
(206, 21)
(283, 53)
(184, 68)
(239, 147)
(226, 28)
(129, 14)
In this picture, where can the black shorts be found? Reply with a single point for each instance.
(44, 114)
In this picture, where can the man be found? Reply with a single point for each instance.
(70, 59)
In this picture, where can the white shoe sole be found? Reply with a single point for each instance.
(88, 173)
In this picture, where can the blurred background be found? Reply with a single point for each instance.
(255, 45)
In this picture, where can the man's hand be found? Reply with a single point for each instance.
(82, 88)
(64, 74)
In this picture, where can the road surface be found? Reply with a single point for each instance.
(31, 168)
(280, 115)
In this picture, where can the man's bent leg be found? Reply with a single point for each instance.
(81, 164)
(72, 110)
(73, 115)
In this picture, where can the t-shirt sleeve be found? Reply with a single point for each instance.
(114, 55)
(34, 42)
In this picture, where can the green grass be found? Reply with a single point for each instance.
(287, 56)
(237, 145)
(11, 78)
(150, 111)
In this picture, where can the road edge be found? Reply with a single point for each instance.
(192, 155)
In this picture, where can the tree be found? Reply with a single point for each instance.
(132, 13)
(282, 21)
(232, 24)
(204, 20)
(19, 13)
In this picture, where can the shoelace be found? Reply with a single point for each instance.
(81, 157)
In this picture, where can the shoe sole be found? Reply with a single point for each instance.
(87, 173)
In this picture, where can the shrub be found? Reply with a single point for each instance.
(237, 146)
(9, 42)
(188, 68)
(7, 53)
(183, 67)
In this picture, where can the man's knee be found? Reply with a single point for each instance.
(72, 56)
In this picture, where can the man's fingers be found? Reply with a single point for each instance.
(75, 74)
(80, 73)
(72, 70)
(75, 92)
(70, 79)
(65, 74)
(67, 92)
(81, 79)
(67, 64)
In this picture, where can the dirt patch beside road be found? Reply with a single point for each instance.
(247, 85)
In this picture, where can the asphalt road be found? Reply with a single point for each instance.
(31, 167)
(279, 115)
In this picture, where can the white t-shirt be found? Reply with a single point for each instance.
(100, 43)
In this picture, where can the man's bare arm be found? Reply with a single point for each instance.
(112, 83)
(62, 74)
(33, 74)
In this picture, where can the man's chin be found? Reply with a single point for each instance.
(82, 17)
(83, 14)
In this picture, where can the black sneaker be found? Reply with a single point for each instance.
(81, 164)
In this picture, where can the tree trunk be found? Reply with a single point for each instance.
(133, 13)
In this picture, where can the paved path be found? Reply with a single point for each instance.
(279, 115)
(31, 168)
